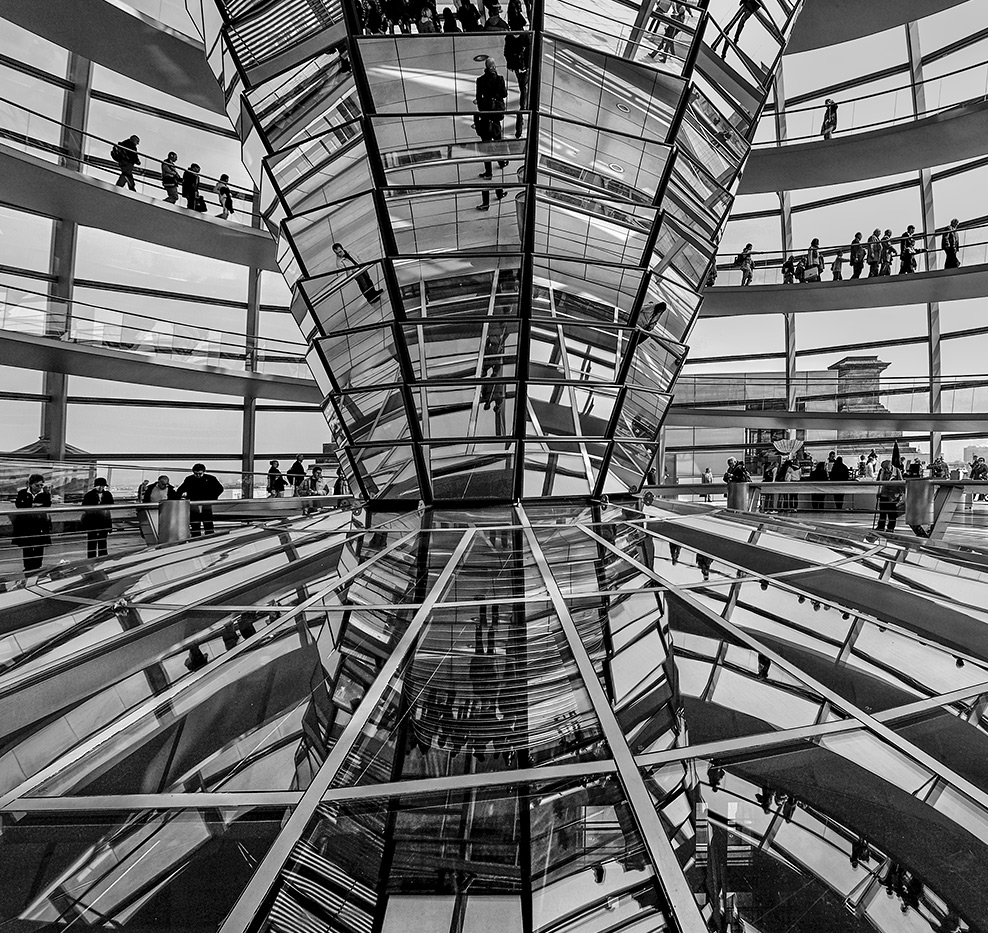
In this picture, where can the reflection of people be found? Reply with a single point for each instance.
(491, 95)
(200, 487)
(32, 530)
(746, 9)
(517, 54)
(98, 523)
(345, 260)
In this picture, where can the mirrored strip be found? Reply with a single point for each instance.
(249, 903)
(671, 877)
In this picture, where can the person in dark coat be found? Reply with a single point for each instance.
(125, 155)
(858, 254)
(98, 523)
(469, 17)
(839, 473)
(517, 57)
(190, 186)
(950, 244)
(200, 487)
(491, 96)
(276, 481)
(32, 530)
(818, 475)
(296, 472)
(829, 126)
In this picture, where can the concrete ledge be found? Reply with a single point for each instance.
(41, 186)
(50, 355)
(950, 136)
(682, 416)
(828, 22)
(851, 294)
(111, 33)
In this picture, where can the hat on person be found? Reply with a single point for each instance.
(100, 481)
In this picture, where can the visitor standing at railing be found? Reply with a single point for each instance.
(950, 244)
(124, 153)
(874, 253)
(190, 186)
(907, 251)
(889, 497)
(889, 253)
(276, 481)
(837, 267)
(829, 119)
(345, 260)
(200, 487)
(32, 530)
(160, 491)
(97, 522)
(170, 179)
(745, 263)
(814, 262)
(857, 257)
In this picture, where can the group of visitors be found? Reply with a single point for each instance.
(297, 481)
(878, 253)
(32, 524)
(393, 17)
(127, 158)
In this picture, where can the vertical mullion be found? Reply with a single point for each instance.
(669, 874)
(262, 881)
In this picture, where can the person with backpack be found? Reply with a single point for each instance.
(190, 186)
(124, 153)
(889, 497)
(814, 262)
(170, 179)
(745, 263)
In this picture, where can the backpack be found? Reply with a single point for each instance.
(739, 260)
(116, 154)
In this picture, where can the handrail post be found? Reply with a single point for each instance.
(173, 521)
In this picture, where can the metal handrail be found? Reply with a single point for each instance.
(235, 190)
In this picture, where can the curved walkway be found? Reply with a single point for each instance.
(949, 136)
(827, 22)
(52, 355)
(125, 41)
(683, 416)
(851, 294)
(41, 186)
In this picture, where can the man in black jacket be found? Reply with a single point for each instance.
(950, 243)
(32, 530)
(200, 487)
(491, 95)
(97, 522)
(125, 155)
(857, 257)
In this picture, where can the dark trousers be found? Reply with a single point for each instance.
(33, 557)
(839, 501)
(96, 543)
(201, 520)
(126, 177)
(887, 513)
(858, 268)
(951, 261)
(366, 285)
(872, 269)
